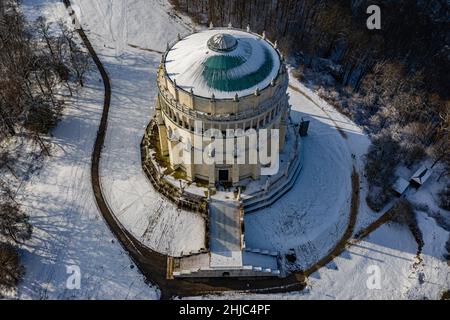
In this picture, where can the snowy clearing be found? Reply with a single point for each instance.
(132, 72)
(303, 221)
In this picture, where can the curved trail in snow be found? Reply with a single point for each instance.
(152, 264)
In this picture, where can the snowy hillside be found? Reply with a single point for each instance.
(124, 40)
(129, 36)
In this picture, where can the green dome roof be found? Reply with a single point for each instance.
(218, 72)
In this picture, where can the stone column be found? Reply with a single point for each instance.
(235, 174)
(212, 175)
(256, 171)
(162, 130)
(190, 171)
(282, 139)
(283, 126)
(163, 139)
(175, 87)
(192, 99)
(212, 104)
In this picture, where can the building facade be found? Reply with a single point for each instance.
(220, 82)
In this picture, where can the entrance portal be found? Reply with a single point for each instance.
(223, 176)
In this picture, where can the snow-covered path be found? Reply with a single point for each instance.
(225, 233)
(116, 32)
(302, 220)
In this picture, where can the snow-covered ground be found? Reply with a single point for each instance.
(352, 138)
(391, 248)
(69, 229)
(187, 70)
(301, 220)
(123, 33)
(69, 232)
(389, 252)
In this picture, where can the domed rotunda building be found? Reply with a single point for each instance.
(219, 80)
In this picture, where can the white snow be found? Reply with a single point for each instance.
(132, 71)
(225, 234)
(391, 249)
(68, 230)
(314, 214)
(422, 175)
(185, 62)
(258, 259)
(400, 185)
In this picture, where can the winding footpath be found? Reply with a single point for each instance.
(153, 265)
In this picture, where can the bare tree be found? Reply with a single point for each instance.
(10, 269)
(441, 149)
(79, 61)
(14, 224)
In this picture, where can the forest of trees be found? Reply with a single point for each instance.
(38, 61)
(394, 82)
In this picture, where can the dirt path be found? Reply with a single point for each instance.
(343, 242)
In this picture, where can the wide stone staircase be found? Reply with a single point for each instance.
(227, 256)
